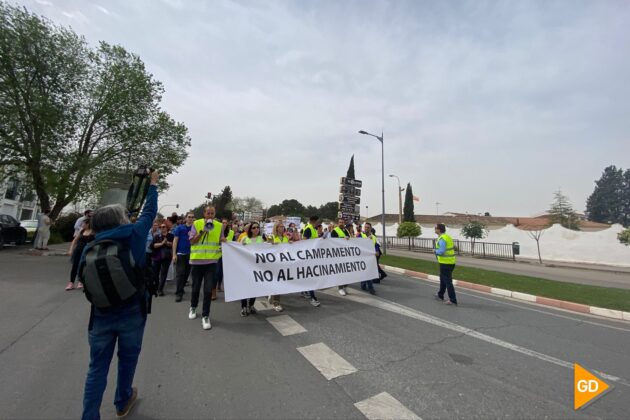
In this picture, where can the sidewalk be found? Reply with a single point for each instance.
(618, 277)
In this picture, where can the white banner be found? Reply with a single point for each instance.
(265, 269)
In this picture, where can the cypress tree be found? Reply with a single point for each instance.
(350, 173)
(408, 214)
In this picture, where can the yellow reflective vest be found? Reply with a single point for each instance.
(449, 255)
(230, 236)
(247, 241)
(280, 240)
(209, 245)
(340, 232)
(310, 227)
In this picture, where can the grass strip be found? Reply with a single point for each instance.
(603, 297)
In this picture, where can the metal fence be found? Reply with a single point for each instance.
(478, 249)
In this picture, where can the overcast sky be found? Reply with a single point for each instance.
(485, 106)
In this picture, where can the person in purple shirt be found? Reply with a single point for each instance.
(181, 256)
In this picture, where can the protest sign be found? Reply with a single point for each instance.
(265, 269)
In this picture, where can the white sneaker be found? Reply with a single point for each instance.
(193, 313)
(342, 292)
(315, 302)
(278, 308)
(205, 323)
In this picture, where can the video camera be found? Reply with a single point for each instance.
(138, 190)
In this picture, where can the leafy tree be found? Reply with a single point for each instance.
(408, 212)
(311, 211)
(350, 173)
(198, 211)
(329, 210)
(274, 210)
(474, 230)
(606, 203)
(562, 212)
(223, 203)
(409, 230)
(74, 119)
(624, 237)
(291, 207)
(242, 204)
(625, 219)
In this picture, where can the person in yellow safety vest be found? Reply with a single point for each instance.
(310, 232)
(244, 233)
(206, 236)
(228, 234)
(341, 231)
(371, 233)
(445, 253)
(253, 236)
(278, 236)
(368, 285)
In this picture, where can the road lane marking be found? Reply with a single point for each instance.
(329, 363)
(528, 306)
(286, 325)
(384, 406)
(421, 316)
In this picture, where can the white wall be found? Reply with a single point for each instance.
(556, 243)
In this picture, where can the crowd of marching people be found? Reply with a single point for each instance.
(120, 262)
(186, 250)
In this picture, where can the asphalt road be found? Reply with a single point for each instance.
(610, 277)
(487, 358)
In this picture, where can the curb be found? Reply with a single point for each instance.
(50, 253)
(525, 297)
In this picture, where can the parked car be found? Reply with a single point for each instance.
(11, 231)
(31, 229)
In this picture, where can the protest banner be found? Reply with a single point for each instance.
(268, 229)
(265, 269)
(293, 219)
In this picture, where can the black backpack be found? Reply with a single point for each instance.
(110, 275)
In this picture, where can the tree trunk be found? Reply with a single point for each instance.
(538, 246)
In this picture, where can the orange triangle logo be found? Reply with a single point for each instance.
(586, 387)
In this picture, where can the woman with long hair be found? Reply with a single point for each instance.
(278, 236)
(162, 247)
(84, 237)
(253, 236)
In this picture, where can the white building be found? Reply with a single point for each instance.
(17, 200)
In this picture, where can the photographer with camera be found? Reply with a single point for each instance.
(206, 236)
(111, 270)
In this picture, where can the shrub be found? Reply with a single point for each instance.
(408, 229)
(64, 226)
(624, 237)
(55, 237)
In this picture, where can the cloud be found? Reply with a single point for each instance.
(484, 106)
(103, 10)
(76, 16)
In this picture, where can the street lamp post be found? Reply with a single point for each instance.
(400, 190)
(380, 138)
(367, 213)
(168, 205)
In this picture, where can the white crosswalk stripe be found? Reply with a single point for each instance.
(384, 406)
(286, 325)
(329, 363)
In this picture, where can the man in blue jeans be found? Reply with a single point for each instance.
(123, 323)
